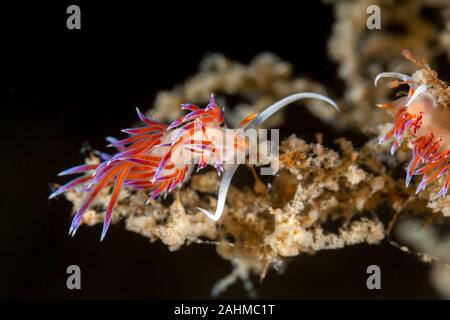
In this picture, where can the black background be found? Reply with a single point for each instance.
(66, 87)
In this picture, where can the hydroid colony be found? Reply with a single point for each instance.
(268, 223)
(148, 159)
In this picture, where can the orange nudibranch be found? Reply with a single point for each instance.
(154, 156)
(423, 115)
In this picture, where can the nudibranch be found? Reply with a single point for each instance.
(423, 115)
(159, 157)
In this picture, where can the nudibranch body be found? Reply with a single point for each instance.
(159, 157)
(423, 114)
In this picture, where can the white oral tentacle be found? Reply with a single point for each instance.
(268, 112)
(420, 90)
(396, 75)
(223, 190)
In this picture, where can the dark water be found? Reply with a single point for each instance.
(65, 88)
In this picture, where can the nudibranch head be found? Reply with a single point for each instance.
(424, 115)
(159, 157)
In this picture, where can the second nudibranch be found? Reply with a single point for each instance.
(160, 157)
(423, 115)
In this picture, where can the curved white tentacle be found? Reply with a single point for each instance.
(269, 111)
(223, 190)
(230, 169)
(421, 89)
(397, 75)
